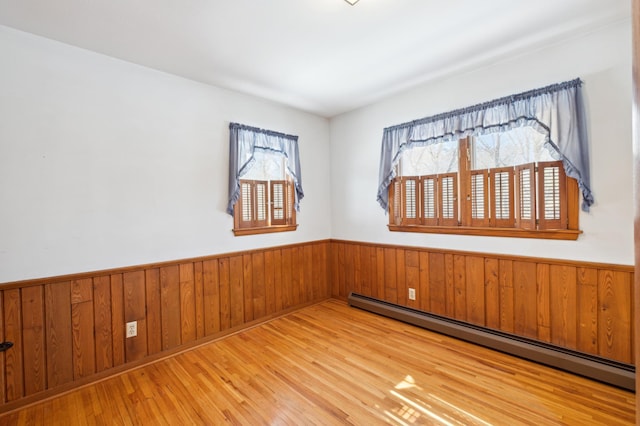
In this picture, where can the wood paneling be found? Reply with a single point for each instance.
(386, 373)
(58, 333)
(102, 317)
(82, 325)
(33, 338)
(71, 329)
(575, 305)
(117, 319)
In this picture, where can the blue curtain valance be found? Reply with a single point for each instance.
(556, 111)
(243, 143)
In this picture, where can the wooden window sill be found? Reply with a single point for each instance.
(551, 234)
(264, 230)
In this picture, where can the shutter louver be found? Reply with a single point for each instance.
(246, 204)
(552, 195)
(502, 197)
(479, 199)
(410, 194)
(526, 196)
(429, 197)
(261, 204)
(278, 204)
(447, 198)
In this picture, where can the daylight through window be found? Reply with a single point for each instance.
(264, 180)
(500, 183)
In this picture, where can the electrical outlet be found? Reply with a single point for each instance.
(412, 294)
(132, 329)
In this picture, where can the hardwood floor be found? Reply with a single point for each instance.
(332, 364)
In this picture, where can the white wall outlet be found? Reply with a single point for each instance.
(132, 329)
(412, 294)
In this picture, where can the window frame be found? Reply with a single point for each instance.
(565, 228)
(255, 226)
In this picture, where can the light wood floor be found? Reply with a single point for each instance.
(332, 364)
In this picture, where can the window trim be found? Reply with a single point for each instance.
(238, 232)
(552, 234)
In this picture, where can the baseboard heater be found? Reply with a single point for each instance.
(615, 373)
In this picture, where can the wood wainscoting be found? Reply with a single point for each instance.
(580, 306)
(68, 331)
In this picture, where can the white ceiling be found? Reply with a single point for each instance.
(321, 56)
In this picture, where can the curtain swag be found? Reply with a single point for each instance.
(556, 111)
(243, 143)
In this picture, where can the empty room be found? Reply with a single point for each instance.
(321, 212)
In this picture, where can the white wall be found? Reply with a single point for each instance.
(107, 164)
(602, 59)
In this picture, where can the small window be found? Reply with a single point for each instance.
(264, 180)
(266, 196)
(509, 185)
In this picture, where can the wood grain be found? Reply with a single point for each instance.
(59, 334)
(577, 305)
(102, 322)
(170, 306)
(82, 326)
(33, 338)
(117, 319)
(614, 325)
(492, 292)
(360, 369)
(135, 311)
(187, 303)
(69, 331)
(507, 306)
(153, 310)
(211, 297)
(13, 369)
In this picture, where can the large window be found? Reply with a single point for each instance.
(264, 180)
(503, 183)
(514, 166)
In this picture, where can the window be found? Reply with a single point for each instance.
(264, 180)
(514, 166)
(508, 183)
(266, 195)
